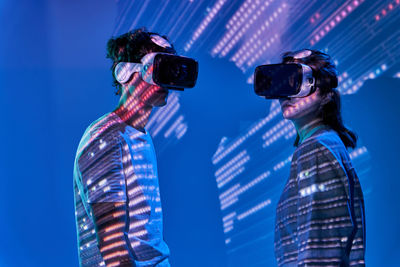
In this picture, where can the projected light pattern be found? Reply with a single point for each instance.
(248, 199)
(254, 48)
(361, 35)
(335, 18)
(167, 125)
(117, 169)
(169, 121)
(223, 152)
(385, 10)
(203, 25)
(254, 12)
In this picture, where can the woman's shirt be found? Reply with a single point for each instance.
(320, 218)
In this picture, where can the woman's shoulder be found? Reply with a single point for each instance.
(325, 139)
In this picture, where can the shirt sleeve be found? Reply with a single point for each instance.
(101, 169)
(323, 220)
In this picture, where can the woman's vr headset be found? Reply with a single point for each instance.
(290, 79)
(162, 69)
(284, 80)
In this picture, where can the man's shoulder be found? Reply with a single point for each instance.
(103, 132)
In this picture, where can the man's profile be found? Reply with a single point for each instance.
(117, 199)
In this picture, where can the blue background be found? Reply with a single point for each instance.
(55, 80)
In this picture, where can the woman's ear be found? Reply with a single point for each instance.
(327, 98)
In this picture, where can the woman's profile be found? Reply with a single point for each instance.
(320, 218)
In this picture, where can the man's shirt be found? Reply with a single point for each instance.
(115, 163)
(319, 206)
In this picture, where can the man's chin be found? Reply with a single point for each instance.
(160, 103)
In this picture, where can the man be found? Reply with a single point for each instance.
(117, 198)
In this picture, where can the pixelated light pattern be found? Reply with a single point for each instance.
(116, 165)
(203, 25)
(248, 199)
(361, 35)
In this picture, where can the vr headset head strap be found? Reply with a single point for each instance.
(323, 79)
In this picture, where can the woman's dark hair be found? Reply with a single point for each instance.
(131, 47)
(325, 70)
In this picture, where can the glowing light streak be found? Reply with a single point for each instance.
(113, 236)
(276, 136)
(350, 86)
(111, 246)
(358, 152)
(166, 119)
(229, 203)
(137, 157)
(254, 209)
(238, 19)
(140, 211)
(118, 253)
(230, 163)
(182, 132)
(106, 189)
(137, 200)
(334, 20)
(312, 189)
(228, 223)
(102, 144)
(233, 197)
(229, 178)
(233, 168)
(158, 209)
(229, 216)
(138, 233)
(254, 43)
(114, 227)
(203, 25)
(274, 111)
(282, 164)
(173, 126)
(97, 133)
(119, 214)
(275, 128)
(385, 11)
(113, 264)
(161, 113)
(242, 31)
(264, 48)
(230, 190)
(226, 230)
(138, 146)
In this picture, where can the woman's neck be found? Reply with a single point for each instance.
(304, 128)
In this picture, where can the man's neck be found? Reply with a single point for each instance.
(134, 113)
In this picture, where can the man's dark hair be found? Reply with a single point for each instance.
(324, 68)
(131, 47)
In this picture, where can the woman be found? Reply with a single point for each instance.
(320, 216)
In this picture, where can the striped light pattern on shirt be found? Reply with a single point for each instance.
(313, 219)
(116, 165)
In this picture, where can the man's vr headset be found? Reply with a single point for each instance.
(290, 79)
(162, 69)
